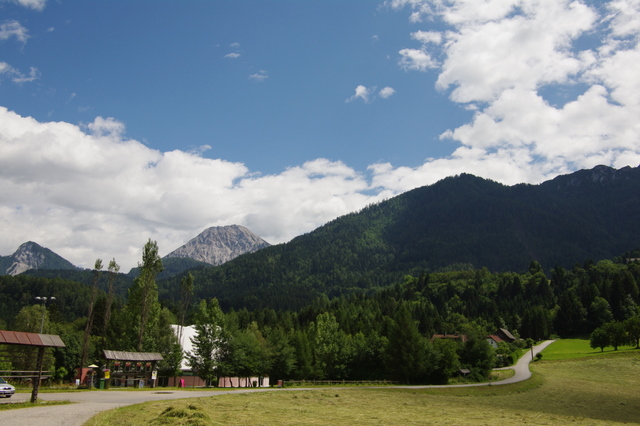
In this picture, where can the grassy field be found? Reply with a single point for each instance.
(590, 388)
(579, 348)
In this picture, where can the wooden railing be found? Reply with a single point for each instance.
(13, 374)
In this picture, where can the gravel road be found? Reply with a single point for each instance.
(88, 404)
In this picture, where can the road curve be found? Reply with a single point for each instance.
(88, 404)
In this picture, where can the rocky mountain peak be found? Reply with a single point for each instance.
(219, 244)
(31, 255)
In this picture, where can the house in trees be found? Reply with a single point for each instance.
(505, 335)
(494, 340)
(187, 378)
(459, 337)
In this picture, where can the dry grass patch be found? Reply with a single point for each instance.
(600, 390)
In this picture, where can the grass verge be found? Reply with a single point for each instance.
(15, 405)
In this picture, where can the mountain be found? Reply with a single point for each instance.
(219, 244)
(459, 222)
(32, 256)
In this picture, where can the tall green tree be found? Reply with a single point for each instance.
(332, 347)
(142, 303)
(283, 353)
(90, 314)
(249, 353)
(30, 317)
(408, 352)
(168, 345)
(186, 294)
(210, 342)
(113, 269)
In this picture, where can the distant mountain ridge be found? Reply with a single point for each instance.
(219, 244)
(32, 256)
(459, 222)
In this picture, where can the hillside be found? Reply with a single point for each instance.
(463, 220)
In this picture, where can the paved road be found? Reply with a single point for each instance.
(89, 404)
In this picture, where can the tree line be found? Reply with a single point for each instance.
(373, 334)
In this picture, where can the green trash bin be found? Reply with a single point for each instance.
(102, 383)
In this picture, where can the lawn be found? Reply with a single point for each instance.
(594, 390)
(579, 348)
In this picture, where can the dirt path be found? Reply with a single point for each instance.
(88, 404)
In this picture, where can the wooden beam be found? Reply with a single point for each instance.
(36, 381)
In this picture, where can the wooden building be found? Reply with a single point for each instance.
(131, 369)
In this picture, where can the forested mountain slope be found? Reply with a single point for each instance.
(459, 220)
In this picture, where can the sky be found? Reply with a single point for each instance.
(123, 121)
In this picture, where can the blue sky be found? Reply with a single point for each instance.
(127, 120)
(179, 76)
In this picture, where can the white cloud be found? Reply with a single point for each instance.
(94, 193)
(16, 76)
(10, 29)
(32, 4)
(387, 92)
(362, 92)
(499, 57)
(416, 60)
(233, 55)
(368, 94)
(259, 76)
(426, 37)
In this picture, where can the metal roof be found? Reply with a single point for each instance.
(132, 356)
(30, 339)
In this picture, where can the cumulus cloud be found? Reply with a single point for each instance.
(95, 193)
(387, 92)
(233, 55)
(362, 92)
(10, 29)
(368, 94)
(502, 59)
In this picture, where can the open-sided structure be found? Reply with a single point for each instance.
(131, 368)
(28, 345)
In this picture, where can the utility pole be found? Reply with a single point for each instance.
(44, 308)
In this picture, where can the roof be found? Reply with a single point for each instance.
(461, 337)
(30, 339)
(507, 334)
(132, 356)
(495, 338)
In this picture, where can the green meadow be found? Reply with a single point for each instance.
(588, 387)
